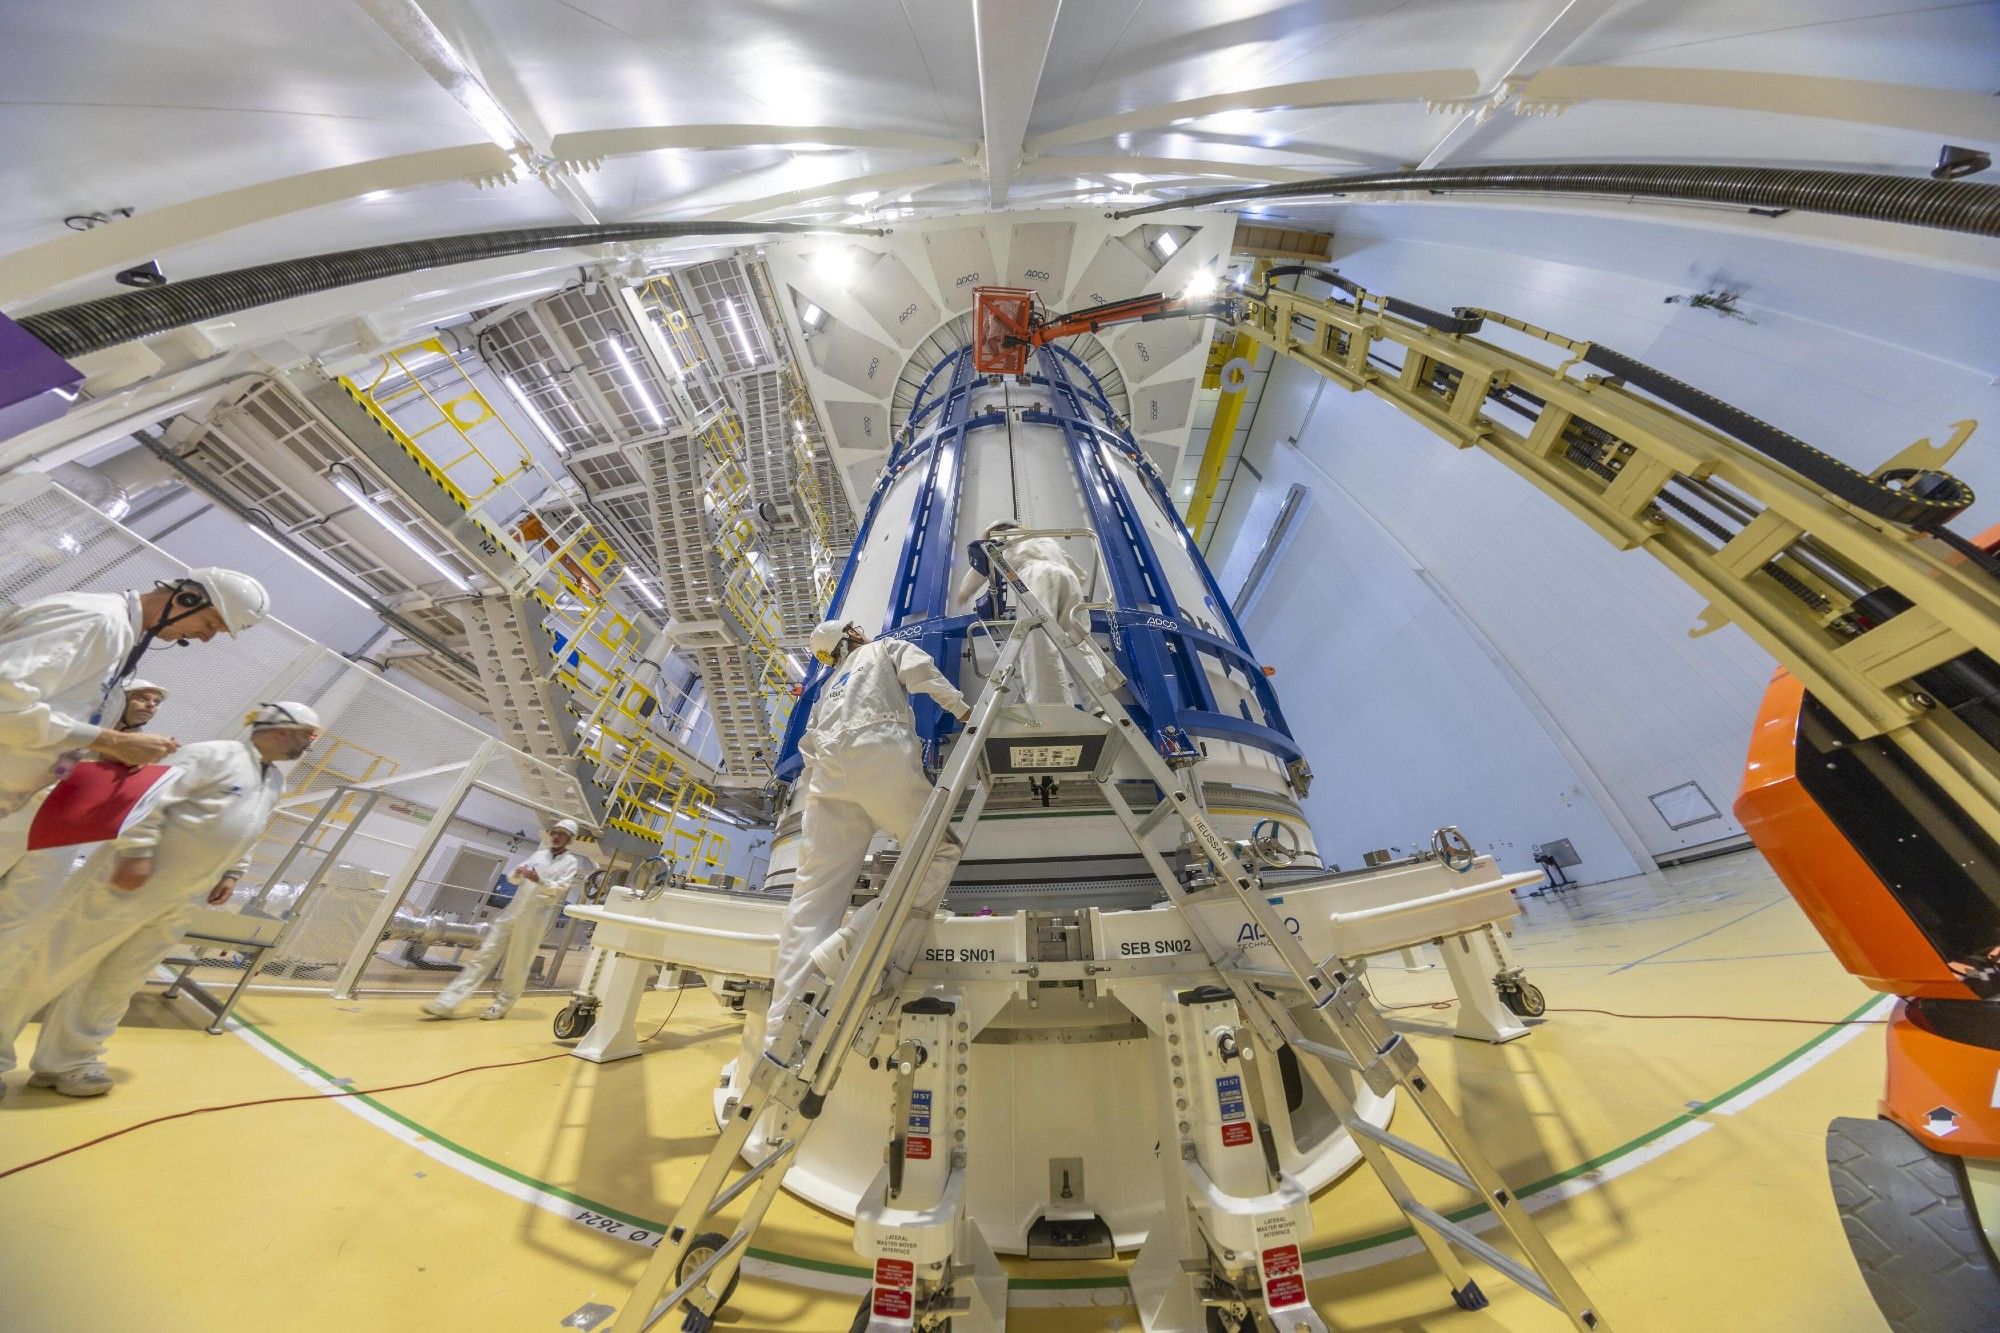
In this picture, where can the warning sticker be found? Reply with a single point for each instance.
(917, 1149)
(1044, 756)
(893, 1304)
(1236, 1135)
(1284, 1282)
(895, 1273)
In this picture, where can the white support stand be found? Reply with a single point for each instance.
(1473, 959)
(615, 1034)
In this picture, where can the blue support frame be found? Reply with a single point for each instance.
(1158, 648)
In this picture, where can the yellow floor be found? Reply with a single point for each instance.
(455, 1205)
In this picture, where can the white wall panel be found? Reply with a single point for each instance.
(1598, 640)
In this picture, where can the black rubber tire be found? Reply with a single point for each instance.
(1525, 1000)
(1911, 1230)
(699, 1249)
(572, 1022)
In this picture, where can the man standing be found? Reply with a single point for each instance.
(513, 938)
(119, 915)
(62, 662)
(1057, 584)
(864, 774)
(35, 878)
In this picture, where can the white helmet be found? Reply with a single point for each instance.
(137, 686)
(566, 825)
(827, 636)
(238, 598)
(280, 716)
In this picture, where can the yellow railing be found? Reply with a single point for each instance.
(424, 399)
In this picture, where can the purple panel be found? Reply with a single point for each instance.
(30, 374)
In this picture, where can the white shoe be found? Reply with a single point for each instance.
(493, 1011)
(438, 1009)
(84, 1081)
(830, 954)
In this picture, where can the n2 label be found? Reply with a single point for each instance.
(1145, 948)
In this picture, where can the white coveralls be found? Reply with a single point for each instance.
(1057, 584)
(95, 944)
(864, 773)
(515, 936)
(59, 657)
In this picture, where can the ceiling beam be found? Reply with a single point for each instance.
(886, 182)
(45, 268)
(511, 124)
(1011, 38)
(1431, 85)
(1164, 166)
(1960, 117)
(1575, 18)
(593, 145)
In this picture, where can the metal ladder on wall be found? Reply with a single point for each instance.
(1317, 1007)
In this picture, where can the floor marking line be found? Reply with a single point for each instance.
(1347, 1256)
(1704, 935)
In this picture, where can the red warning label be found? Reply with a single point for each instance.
(895, 1273)
(1235, 1133)
(917, 1150)
(891, 1303)
(1284, 1283)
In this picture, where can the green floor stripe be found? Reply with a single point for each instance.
(1092, 1283)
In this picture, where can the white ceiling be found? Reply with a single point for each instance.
(210, 119)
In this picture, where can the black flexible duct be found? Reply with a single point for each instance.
(91, 326)
(1916, 200)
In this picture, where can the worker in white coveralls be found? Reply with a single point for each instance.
(1057, 584)
(117, 917)
(37, 876)
(541, 883)
(863, 775)
(63, 662)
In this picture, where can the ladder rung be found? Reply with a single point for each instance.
(1269, 976)
(1153, 818)
(778, 1154)
(1332, 1053)
(1423, 1157)
(1523, 1276)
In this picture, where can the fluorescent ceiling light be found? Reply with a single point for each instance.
(742, 334)
(835, 265)
(311, 568)
(645, 591)
(1166, 244)
(348, 488)
(541, 424)
(638, 386)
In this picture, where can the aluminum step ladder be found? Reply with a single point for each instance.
(1317, 1007)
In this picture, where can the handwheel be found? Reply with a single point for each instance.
(573, 1020)
(1525, 998)
(707, 1243)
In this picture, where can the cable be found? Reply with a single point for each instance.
(679, 991)
(1613, 1013)
(273, 1101)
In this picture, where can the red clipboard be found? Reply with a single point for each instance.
(96, 801)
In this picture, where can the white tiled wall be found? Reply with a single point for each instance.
(1597, 640)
